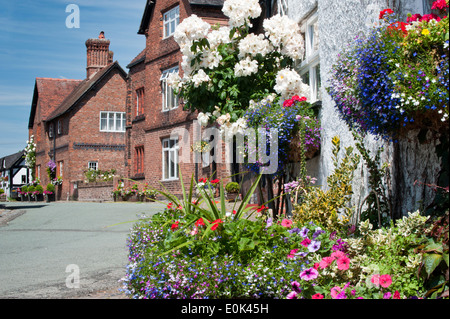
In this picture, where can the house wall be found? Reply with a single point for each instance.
(84, 130)
(339, 23)
(161, 54)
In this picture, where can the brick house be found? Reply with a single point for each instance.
(80, 124)
(153, 111)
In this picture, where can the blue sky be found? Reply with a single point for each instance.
(35, 42)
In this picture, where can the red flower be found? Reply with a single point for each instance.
(400, 26)
(439, 4)
(234, 211)
(203, 180)
(429, 17)
(385, 12)
(317, 296)
(175, 225)
(297, 98)
(288, 103)
(215, 181)
(169, 206)
(414, 17)
(200, 222)
(216, 224)
(261, 208)
(306, 242)
(396, 295)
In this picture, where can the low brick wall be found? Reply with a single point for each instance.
(101, 191)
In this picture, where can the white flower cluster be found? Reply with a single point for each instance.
(30, 153)
(200, 77)
(288, 83)
(239, 12)
(253, 44)
(285, 34)
(246, 67)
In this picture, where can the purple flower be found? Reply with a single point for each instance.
(269, 222)
(292, 295)
(314, 246)
(309, 274)
(317, 233)
(304, 232)
(296, 286)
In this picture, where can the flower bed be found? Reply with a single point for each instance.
(190, 252)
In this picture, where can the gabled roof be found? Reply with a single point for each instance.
(10, 161)
(50, 93)
(151, 4)
(82, 89)
(138, 59)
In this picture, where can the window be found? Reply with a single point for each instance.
(169, 98)
(139, 101)
(112, 121)
(50, 130)
(93, 165)
(171, 20)
(59, 127)
(139, 162)
(170, 158)
(59, 168)
(309, 68)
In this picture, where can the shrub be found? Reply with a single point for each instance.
(39, 189)
(50, 188)
(328, 208)
(232, 187)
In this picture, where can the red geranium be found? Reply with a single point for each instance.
(175, 225)
(385, 12)
(414, 17)
(200, 222)
(439, 4)
(215, 181)
(216, 224)
(400, 26)
(429, 17)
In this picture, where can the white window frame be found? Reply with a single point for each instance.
(59, 127)
(311, 61)
(172, 153)
(93, 165)
(114, 119)
(171, 19)
(169, 98)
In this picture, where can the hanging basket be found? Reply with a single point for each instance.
(295, 148)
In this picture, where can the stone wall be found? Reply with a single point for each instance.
(100, 191)
(408, 160)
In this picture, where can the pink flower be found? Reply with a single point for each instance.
(286, 223)
(387, 295)
(317, 296)
(296, 286)
(325, 262)
(396, 295)
(343, 263)
(337, 293)
(414, 17)
(385, 281)
(309, 274)
(292, 253)
(306, 242)
(292, 295)
(375, 280)
(338, 254)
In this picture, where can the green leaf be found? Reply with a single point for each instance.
(431, 261)
(445, 257)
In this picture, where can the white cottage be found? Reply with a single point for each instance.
(13, 173)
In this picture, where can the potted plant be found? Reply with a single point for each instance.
(39, 193)
(30, 192)
(232, 189)
(23, 193)
(49, 193)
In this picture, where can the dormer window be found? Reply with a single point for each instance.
(171, 20)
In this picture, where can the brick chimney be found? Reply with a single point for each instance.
(98, 54)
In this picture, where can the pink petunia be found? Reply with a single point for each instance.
(292, 253)
(292, 295)
(309, 274)
(385, 281)
(306, 242)
(325, 262)
(375, 280)
(439, 4)
(286, 223)
(337, 293)
(338, 254)
(317, 296)
(343, 263)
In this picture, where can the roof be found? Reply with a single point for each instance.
(150, 4)
(50, 93)
(138, 59)
(82, 89)
(10, 161)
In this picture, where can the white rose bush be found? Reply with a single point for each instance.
(226, 67)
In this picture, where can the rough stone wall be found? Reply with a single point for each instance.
(339, 23)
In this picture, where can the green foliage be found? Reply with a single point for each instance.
(92, 175)
(50, 188)
(232, 187)
(328, 208)
(31, 189)
(39, 189)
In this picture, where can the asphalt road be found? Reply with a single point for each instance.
(66, 249)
